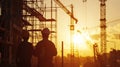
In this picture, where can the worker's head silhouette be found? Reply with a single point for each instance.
(45, 33)
(25, 34)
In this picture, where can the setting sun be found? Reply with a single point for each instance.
(83, 42)
(79, 41)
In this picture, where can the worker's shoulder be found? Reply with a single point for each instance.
(39, 42)
(29, 43)
(50, 42)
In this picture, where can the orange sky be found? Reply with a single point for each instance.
(88, 15)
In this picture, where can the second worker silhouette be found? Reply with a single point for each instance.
(45, 50)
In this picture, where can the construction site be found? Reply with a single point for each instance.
(35, 15)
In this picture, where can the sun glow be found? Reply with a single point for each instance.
(79, 41)
(82, 41)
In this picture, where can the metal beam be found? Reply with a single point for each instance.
(66, 10)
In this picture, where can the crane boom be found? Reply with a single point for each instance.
(66, 10)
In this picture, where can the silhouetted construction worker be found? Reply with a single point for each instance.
(45, 50)
(24, 51)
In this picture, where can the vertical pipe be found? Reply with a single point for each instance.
(62, 54)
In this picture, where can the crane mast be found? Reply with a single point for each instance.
(103, 25)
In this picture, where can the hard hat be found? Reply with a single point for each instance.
(45, 31)
(25, 34)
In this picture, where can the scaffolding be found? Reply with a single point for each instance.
(16, 15)
(35, 12)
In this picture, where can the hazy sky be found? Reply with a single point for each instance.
(88, 15)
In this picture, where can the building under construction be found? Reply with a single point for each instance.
(16, 15)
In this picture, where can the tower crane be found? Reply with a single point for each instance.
(103, 25)
(103, 58)
(70, 13)
(102, 32)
